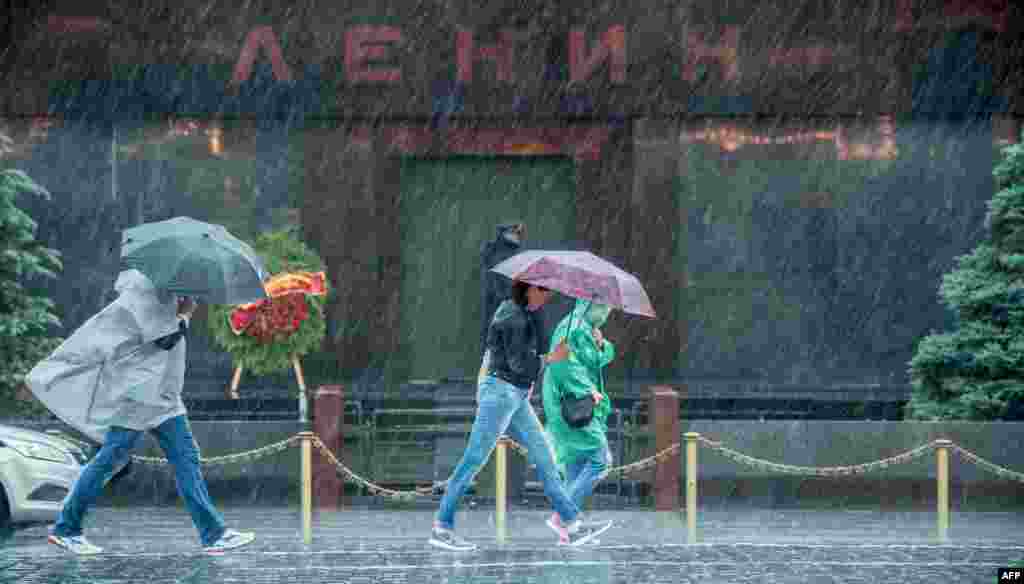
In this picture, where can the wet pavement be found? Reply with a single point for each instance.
(157, 545)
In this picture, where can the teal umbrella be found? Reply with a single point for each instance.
(192, 258)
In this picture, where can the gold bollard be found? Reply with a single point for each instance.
(499, 488)
(942, 472)
(307, 487)
(691, 485)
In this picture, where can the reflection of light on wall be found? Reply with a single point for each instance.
(40, 127)
(1005, 130)
(731, 138)
(20, 136)
(182, 127)
(881, 147)
(216, 140)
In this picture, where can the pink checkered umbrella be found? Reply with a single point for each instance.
(579, 274)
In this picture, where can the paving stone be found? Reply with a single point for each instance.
(158, 545)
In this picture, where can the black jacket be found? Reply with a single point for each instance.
(516, 340)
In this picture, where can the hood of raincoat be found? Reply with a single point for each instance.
(109, 372)
(507, 232)
(587, 312)
(504, 245)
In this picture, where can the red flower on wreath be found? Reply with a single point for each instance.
(284, 311)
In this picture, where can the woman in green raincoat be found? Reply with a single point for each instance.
(581, 453)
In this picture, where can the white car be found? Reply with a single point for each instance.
(37, 471)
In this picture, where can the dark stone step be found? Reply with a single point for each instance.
(252, 409)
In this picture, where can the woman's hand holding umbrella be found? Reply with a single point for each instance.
(186, 306)
(561, 353)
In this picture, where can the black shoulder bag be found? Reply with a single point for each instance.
(578, 411)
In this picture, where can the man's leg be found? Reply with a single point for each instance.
(493, 414)
(176, 440)
(116, 450)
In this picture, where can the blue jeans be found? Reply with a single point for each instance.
(583, 474)
(503, 408)
(176, 440)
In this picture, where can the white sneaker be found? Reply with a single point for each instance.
(578, 533)
(75, 544)
(230, 540)
(556, 525)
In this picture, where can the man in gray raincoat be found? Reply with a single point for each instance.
(120, 374)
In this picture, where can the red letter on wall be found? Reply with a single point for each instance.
(612, 46)
(904, 16)
(261, 37)
(500, 53)
(363, 43)
(802, 56)
(726, 54)
(993, 12)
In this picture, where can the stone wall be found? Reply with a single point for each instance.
(797, 264)
(771, 266)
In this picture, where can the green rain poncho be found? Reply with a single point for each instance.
(577, 376)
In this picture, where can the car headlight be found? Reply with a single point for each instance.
(39, 450)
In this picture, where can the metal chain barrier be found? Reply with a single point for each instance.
(820, 471)
(989, 466)
(625, 470)
(247, 456)
(645, 463)
(350, 475)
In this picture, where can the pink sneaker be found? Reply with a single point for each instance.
(555, 523)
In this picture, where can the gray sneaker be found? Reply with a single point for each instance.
(578, 533)
(446, 539)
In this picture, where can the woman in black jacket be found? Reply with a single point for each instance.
(515, 342)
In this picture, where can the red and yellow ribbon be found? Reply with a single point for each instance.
(278, 313)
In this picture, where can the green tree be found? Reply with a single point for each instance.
(25, 318)
(977, 371)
